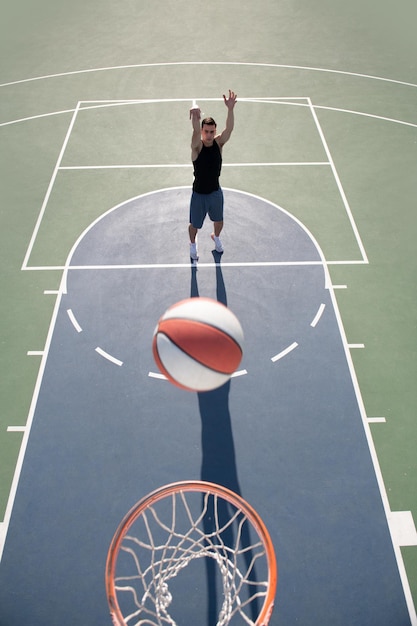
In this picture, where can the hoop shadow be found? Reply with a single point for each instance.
(219, 464)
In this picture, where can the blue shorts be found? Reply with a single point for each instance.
(203, 203)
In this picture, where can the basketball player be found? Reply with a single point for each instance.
(206, 155)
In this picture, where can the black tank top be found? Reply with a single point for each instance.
(207, 167)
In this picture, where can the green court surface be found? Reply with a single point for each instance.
(94, 111)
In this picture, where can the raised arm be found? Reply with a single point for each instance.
(195, 116)
(230, 119)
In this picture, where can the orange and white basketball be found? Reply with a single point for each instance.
(197, 344)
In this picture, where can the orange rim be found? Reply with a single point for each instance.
(202, 487)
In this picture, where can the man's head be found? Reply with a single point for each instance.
(209, 121)
(208, 130)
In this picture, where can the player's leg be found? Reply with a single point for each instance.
(192, 232)
(216, 216)
(193, 243)
(217, 227)
(197, 216)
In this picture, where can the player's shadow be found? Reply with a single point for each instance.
(219, 462)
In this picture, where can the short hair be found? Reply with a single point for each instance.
(209, 121)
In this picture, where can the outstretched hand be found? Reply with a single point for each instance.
(231, 100)
(195, 112)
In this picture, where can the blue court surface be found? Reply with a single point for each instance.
(287, 432)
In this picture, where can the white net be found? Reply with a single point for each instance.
(169, 535)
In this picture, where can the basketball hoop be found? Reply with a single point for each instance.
(170, 528)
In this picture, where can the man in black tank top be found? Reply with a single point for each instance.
(206, 155)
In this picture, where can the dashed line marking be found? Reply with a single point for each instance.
(239, 373)
(284, 352)
(74, 321)
(109, 357)
(157, 375)
(318, 315)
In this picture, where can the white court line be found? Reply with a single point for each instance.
(109, 357)
(377, 467)
(90, 104)
(48, 268)
(157, 375)
(35, 352)
(338, 183)
(70, 129)
(377, 420)
(284, 352)
(74, 321)
(356, 345)
(80, 108)
(268, 100)
(321, 107)
(16, 429)
(318, 315)
(26, 434)
(403, 528)
(51, 292)
(210, 63)
(49, 190)
(122, 166)
(36, 117)
(370, 115)
(339, 286)
(188, 264)
(239, 373)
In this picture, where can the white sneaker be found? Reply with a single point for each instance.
(193, 251)
(217, 244)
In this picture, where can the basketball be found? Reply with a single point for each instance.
(197, 344)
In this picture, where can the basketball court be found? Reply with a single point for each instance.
(290, 432)
(285, 433)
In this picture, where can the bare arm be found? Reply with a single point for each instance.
(230, 119)
(195, 115)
